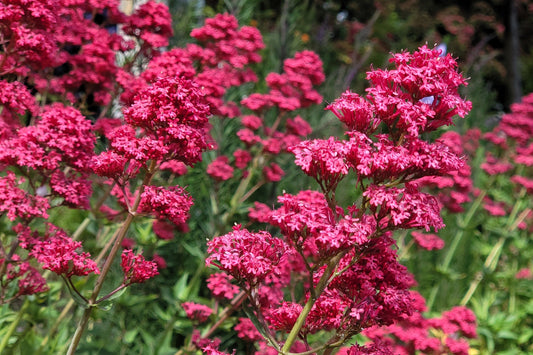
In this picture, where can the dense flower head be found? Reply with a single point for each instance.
(221, 287)
(29, 280)
(397, 97)
(109, 164)
(248, 257)
(15, 98)
(294, 88)
(197, 312)
(515, 126)
(174, 113)
(57, 252)
(455, 187)
(29, 30)
(61, 135)
(219, 169)
(237, 46)
(17, 203)
(246, 330)
(376, 285)
(417, 333)
(136, 268)
(163, 230)
(152, 23)
(166, 202)
(302, 215)
(273, 172)
(404, 207)
(427, 241)
(324, 160)
(383, 160)
(167, 103)
(397, 93)
(242, 158)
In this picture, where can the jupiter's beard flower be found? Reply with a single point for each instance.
(172, 203)
(136, 268)
(248, 257)
(58, 253)
(174, 114)
(345, 256)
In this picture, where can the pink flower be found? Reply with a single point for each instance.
(494, 208)
(284, 317)
(298, 126)
(324, 160)
(166, 202)
(197, 312)
(246, 330)
(177, 168)
(219, 169)
(152, 23)
(252, 122)
(136, 269)
(524, 182)
(57, 253)
(109, 164)
(163, 229)
(159, 261)
(273, 172)
(428, 241)
(260, 212)
(524, 273)
(29, 281)
(19, 204)
(242, 158)
(248, 257)
(220, 286)
(174, 112)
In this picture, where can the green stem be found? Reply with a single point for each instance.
(455, 243)
(322, 283)
(56, 324)
(494, 256)
(13, 326)
(109, 261)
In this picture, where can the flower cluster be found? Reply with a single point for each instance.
(197, 312)
(415, 333)
(345, 258)
(248, 257)
(57, 252)
(293, 89)
(136, 268)
(171, 203)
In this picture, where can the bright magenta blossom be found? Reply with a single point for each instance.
(219, 169)
(172, 203)
(248, 257)
(57, 252)
(136, 269)
(197, 312)
(15, 202)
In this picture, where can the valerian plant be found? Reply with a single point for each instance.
(333, 268)
(95, 122)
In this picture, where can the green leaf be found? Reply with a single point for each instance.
(507, 334)
(80, 301)
(130, 335)
(525, 336)
(180, 288)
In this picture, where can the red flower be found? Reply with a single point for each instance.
(197, 312)
(136, 269)
(219, 169)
